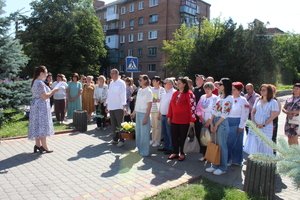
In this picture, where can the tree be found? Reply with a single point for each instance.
(286, 49)
(12, 60)
(179, 50)
(223, 50)
(64, 35)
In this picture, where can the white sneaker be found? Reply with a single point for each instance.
(155, 144)
(201, 159)
(120, 144)
(210, 170)
(228, 164)
(219, 172)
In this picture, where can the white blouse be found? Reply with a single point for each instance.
(240, 109)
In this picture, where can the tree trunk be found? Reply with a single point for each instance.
(260, 179)
(80, 120)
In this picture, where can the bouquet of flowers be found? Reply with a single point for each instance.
(127, 130)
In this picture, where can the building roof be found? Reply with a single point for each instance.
(275, 30)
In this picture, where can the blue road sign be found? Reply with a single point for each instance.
(132, 64)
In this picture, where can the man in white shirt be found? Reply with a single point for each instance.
(163, 111)
(116, 104)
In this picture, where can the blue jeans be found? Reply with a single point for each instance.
(235, 142)
(142, 134)
(222, 135)
(166, 131)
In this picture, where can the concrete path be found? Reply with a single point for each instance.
(87, 166)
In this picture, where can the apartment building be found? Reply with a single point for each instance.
(138, 27)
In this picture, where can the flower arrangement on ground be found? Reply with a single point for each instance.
(127, 130)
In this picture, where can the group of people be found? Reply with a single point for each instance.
(164, 110)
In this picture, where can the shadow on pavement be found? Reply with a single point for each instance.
(123, 165)
(161, 172)
(17, 160)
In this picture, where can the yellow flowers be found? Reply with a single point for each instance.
(128, 126)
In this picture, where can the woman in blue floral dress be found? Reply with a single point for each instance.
(292, 109)
(40, 118)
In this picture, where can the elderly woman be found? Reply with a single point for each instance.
(181, 115)
(220, 125)
(60, 98)
(292, 109)
(87, 97)
(142, 112)
(204, 110)
(237, 121)
(74, 95)
(100, 95)
(264, 111)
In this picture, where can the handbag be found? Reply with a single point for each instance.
(295, 120)
(191, 145)
(205, 136)
(213, 153)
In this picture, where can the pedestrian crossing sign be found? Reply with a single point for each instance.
(132, 64)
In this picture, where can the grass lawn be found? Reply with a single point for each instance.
(203, 189)
(284, 87)
(15, 124)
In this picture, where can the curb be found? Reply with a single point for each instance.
(283, 93)
(22, 137)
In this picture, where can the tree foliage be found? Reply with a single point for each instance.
(223, 49)
(286, 50)
(180, 49)
(64, 35)
(12, 60)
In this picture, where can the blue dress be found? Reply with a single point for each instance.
(40, 117)
(74, 88)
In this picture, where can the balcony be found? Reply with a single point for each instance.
(188, 10)
(111, 17)
(112, 41)
(114, 31)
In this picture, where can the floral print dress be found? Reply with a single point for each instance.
(40, 118)
(291, 104)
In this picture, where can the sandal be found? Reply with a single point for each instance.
(173, 156)
(181, 157)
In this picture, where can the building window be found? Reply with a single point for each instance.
(152, 35)
(130, 38)
(123, 10)
(123, 24)
(152, 67)
(122, 39)
(141, 5)
(140, 52)
(131, 23)
(130, 52)
(153, 3)
(121, 54)
(153, 19)
(131, 7)
(141, 21)
(152, 51)
(140, 36)
(105, 27)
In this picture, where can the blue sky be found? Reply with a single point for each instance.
(282, 14)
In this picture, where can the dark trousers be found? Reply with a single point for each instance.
(59, 109)
(116, 118)
(198, 127)
(100, 110)
(179, 132)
